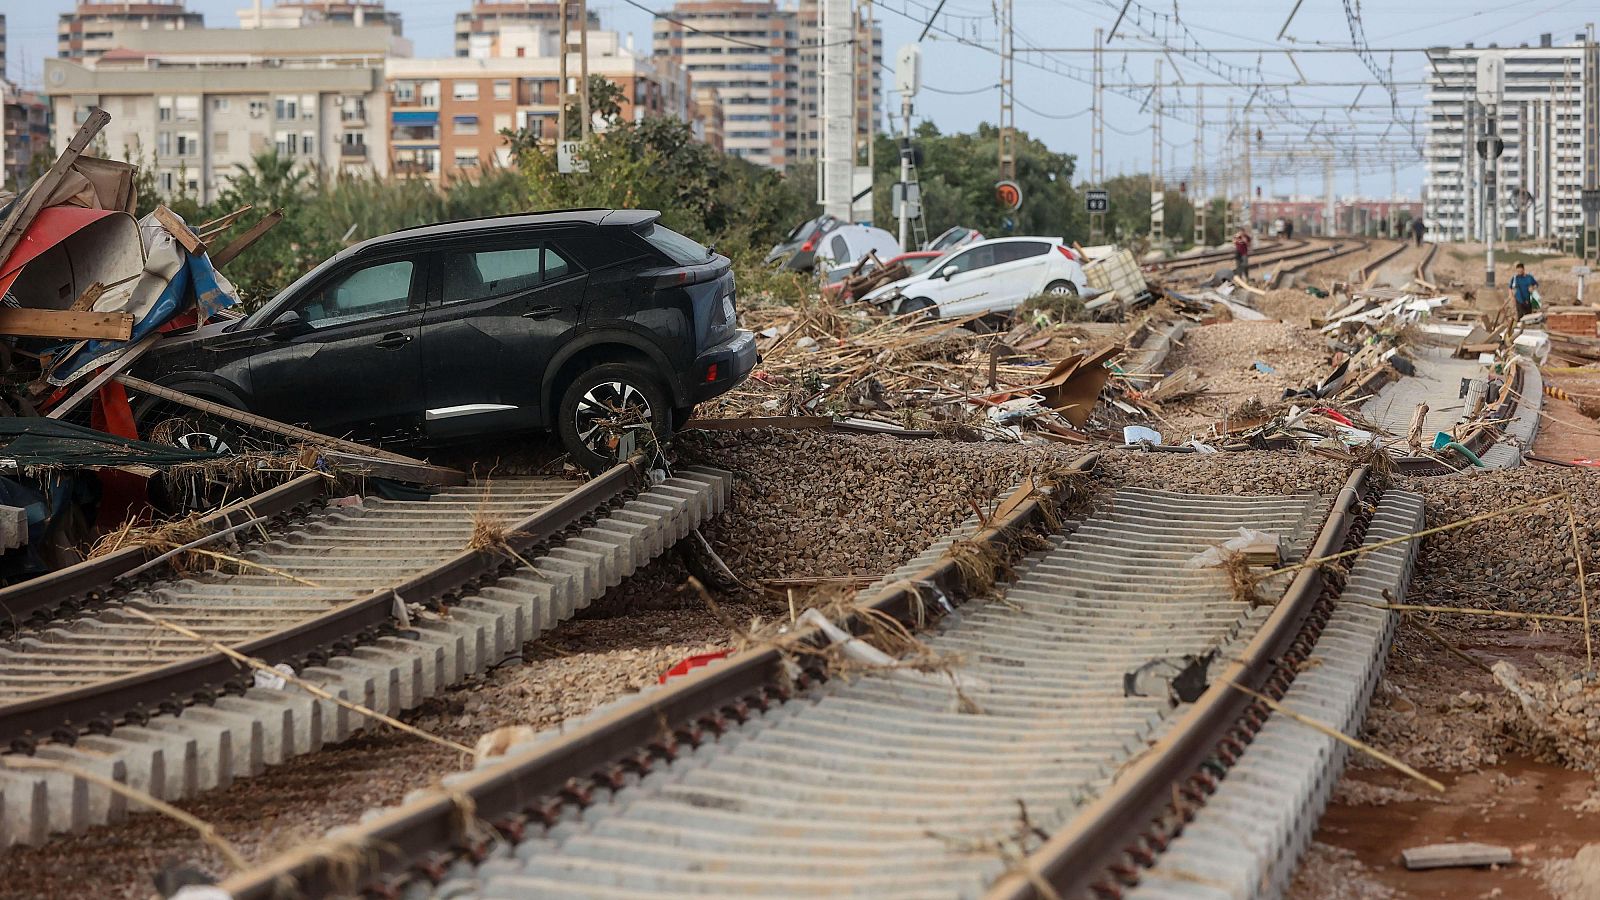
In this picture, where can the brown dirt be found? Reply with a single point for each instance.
(1567, 430)
(1226, 353)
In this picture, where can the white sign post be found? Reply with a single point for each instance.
(569, 158)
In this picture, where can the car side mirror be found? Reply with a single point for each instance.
(948, 272)
(290, 324)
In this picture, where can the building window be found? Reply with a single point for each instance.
(187, 109)
(288, 109)
(502, 122)
(352, 109)
(167, 182)
(308, 106)
(163, 143)
(286, 143)
(502, 90)
(219, 142)
(164, 109)
(188, 144)
(405, 91)
(219, 104)
(308, 143)
(464, 90)
(258, 108)
(466, 125)
(355, 139)
(466, 160)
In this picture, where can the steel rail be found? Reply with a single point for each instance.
(34, 601)
(519, 794)
(100, 705)
(1104, 844)
(1371, 268)
(1304, 260)
(1216, 256)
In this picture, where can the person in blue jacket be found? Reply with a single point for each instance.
(1522, 285)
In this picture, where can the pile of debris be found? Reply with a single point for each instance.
(87, 290)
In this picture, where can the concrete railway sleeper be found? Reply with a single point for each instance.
(114, 694)
(1073, 701)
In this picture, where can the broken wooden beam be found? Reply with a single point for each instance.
(106, 373)
(242, 243)
(179, 231)
(66, 324)
(1442, 856)
(28, 206)
(416, 470)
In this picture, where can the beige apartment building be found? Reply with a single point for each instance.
(761, 57)
(95, 26)
(199, 105)
(314, 13)
(446, 115)
(480, 24)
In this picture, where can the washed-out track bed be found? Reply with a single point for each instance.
(1053, 724)
(383, 603)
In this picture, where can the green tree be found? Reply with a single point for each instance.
(605, 101)
(958, 175)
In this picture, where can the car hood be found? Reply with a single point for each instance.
(200, 336)
(894, 287)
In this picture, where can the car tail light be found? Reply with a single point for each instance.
(711, 373)
(808, 246)
(1067, 252)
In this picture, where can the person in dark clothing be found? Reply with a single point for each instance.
(1288, 230)
(1241, 254)
(1522, 287)
(1417, 228)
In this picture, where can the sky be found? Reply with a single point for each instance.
(1372, 128)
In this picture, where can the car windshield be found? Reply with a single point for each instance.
(920, 263)
(801, 230)
(949, 238)
(679, 249)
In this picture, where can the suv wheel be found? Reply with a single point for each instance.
(601, 403)
(163, 422)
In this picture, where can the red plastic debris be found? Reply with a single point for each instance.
(691, 663)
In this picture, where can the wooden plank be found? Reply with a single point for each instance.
(38, 194)
(445, 476)
(106, 373)
(88, 298)
(67, 324)
(175, 227)
(1439, 856)
(221, 222)
(242, 242)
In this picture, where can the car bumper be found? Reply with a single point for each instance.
(724, 366)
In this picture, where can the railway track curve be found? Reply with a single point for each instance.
(754, 777)
(380, 602)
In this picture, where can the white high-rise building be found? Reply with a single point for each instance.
(1541, 122)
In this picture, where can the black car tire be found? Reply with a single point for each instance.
(1061, 289)
(598, 390)
(917, 304)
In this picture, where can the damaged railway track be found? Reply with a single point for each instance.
(1076, 695)
(382, 603)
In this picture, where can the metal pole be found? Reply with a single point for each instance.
(561, 92)
(1097, 141)
(583, 68)
(1008, 135)
(1197, 190)
(905, 173)
(1158, 189)
(1491, 204)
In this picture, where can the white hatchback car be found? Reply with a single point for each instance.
(996, 275)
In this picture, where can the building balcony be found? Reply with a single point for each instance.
(353, 151)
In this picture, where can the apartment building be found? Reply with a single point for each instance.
(314, 13)
(446, 115)
(24, 131)
(868, 65)
(1541, 122)
(96, 26)
(197, 106)
(479, 26)
(2, 46)
(748, 52)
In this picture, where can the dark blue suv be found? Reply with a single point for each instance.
(585, 321)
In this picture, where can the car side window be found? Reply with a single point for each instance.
(976, 258)
(1015, 250)
(484, 274)
(841, 249)
(374, 290)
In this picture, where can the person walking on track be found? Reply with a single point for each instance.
(1241, 254)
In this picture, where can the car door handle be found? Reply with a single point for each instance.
(393, 340)
(541, 312)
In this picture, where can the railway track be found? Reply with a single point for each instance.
(381, 602)
(1059, 718)
(1216, 257)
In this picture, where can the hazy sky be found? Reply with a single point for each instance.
(1052, 102)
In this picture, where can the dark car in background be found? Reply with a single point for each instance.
(582, 321)
(797, 252)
